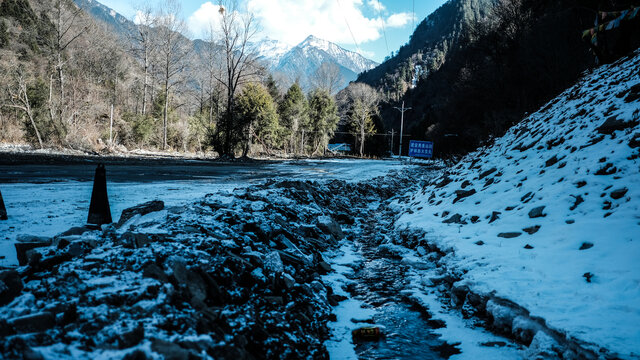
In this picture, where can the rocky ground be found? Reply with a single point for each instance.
(235, 275)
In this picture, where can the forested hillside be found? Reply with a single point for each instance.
(506, 64)
(431, 43)
(110, 85)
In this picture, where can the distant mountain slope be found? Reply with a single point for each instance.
(120, 24)
(429, 45)
(303, 60)
(288, 63)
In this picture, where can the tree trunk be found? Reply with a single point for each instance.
(165, 119)
(362, 125)
(145, 85)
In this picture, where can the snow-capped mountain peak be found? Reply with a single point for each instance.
(300, 62)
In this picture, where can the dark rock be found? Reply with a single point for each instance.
(169, 350)
(459, 293)
(142, 209)
(528, 247)
(619, 193)
(78, 230)
(273, 262)
(324, 267)
(494, 216)
(461, 194)
(131, 338)
(494, 344)
(612, 124)
(531, 230)
(608, 169)
(28, 242)
(580, 184)
(344, 218)
(10, 286)
(274, 300)
(588, 276)
(579, 200)
(455, 219)
(479, 243)
(155, 272)
(34, 323)
(633, 93)
(70, 315)
(537, 212)
(330, 227)
(465, 184)
(635, 141)
(257, 229)
(586, 246)
(436, 324)
(444, 182)
(475, 219)
(487, 173)
(570, 221)
(288, 280)
(551, 161)
(136, 355)
(510, 235)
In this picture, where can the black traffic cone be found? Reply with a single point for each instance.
(3, 210)
(99, 210)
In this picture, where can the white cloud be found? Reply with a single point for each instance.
(291, 21)
(201, 20)
(398, 20)
(377, 5)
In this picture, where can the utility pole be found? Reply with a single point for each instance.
(392, 133)
(402, 110)
(111, 128)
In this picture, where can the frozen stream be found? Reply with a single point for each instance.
(45, 200)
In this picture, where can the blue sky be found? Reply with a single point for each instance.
(345, 22)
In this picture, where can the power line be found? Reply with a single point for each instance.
(384, 31)
(349, 27)
(413, 14)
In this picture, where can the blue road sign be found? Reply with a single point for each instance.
(339, 147)
(423, 149)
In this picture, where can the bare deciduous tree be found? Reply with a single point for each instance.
(173, 52)
(144, 47)
(239, 66)
(69, 25)
(364, 103)
(327, 77)
(19, 99)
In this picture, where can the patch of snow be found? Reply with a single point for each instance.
(579, 268)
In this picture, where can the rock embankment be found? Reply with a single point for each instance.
(235, 275)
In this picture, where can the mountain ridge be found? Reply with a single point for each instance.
(289, 63)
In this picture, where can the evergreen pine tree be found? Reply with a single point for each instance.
(323, 119)
(294, 117)
(258, 117)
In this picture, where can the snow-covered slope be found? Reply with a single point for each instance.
(272, 50)
(303, 60)
(549, 215)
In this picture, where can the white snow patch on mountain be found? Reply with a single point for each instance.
(569, 175)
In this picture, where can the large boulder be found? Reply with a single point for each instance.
(612, 124)
(537, 212)
(24, 243)
(10, 286)
(142, 209)
(330, 227)
(34, 323)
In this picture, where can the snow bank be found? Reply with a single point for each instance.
(549, 215)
